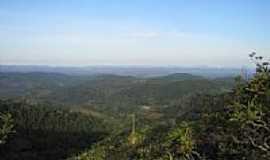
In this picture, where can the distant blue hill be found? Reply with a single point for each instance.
(139, 71)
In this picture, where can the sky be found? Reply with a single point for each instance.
(213, 33)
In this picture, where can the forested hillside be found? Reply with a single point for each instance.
(111, 117)
(106, 92)
(229, 126)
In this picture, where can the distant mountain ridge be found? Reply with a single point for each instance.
(139, 71)
(178, 77)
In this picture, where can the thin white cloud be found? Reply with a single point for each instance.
(143, 35)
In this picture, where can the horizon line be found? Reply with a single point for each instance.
(129, 66)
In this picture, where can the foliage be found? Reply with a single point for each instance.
(43, 132)
(6, 127)
(241, 129)
(180, 142)
(249, 116)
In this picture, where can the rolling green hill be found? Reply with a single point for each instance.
(105, 91)
(178, 116)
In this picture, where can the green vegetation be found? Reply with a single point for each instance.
(43, 132)
(6, 123)
(108, 117)
(180, 142)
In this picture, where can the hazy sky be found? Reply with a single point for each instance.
(135, 32)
